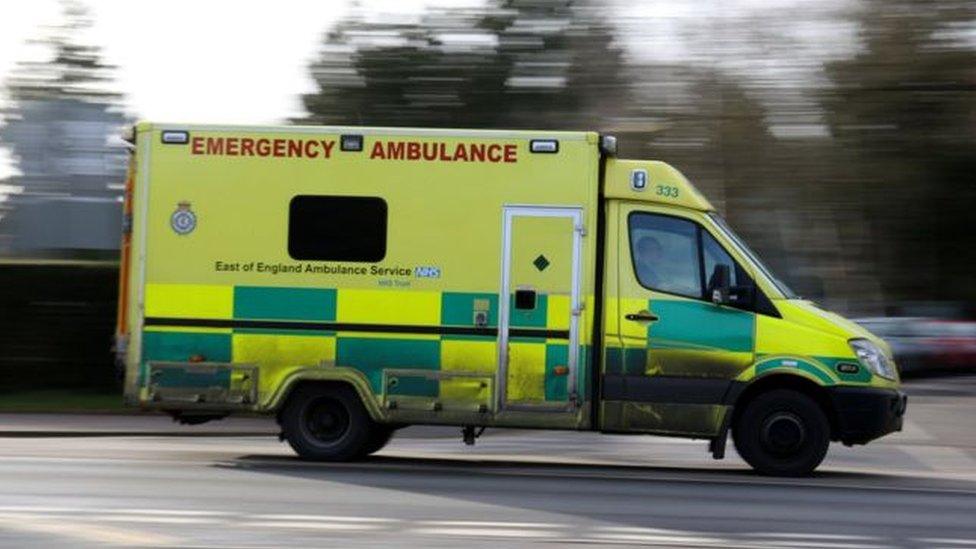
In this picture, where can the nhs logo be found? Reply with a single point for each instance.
(426, 272)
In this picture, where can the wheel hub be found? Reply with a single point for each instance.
(327, 420)
(783, 433)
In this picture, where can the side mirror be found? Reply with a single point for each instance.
(719, 284)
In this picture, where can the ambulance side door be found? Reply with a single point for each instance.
(679, 351)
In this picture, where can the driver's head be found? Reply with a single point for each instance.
(649, 250)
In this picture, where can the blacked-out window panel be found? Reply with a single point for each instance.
(337, 228)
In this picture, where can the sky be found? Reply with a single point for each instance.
(221, 61)
(227, 61)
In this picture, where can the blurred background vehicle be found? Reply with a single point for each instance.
(923, 345)
(838, 137)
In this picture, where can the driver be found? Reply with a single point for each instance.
(649, 260)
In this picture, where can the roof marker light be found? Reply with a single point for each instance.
(173, 137)
(549, 146)
(608, 145)
(351, 142)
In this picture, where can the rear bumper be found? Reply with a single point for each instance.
(864, 414)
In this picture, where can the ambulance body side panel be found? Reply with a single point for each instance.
(215, 281)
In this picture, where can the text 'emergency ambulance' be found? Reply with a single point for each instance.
(278, 148)
(444, 152)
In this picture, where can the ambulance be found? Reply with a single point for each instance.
(351, 281)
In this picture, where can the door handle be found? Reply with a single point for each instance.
(642, 316)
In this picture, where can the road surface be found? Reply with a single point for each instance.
(140, 481)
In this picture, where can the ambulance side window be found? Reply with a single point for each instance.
(715, 254)
(665, 254)
(337, 228)
(744, 296)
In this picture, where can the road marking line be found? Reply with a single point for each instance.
(833, 544)
(790, 535)
(166, 512)
(484, 532)
(333, 526)
(666, 539)
(89, 510)
(727, 544)
(949, 541)
(911, 431)
(944, 459)
(643, 530)
(87, 533)
(108, 517)
(323, 518)
(38, 509)
(492, 524)
(121, 517)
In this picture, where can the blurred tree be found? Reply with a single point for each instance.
(74, 70)
(905, 109)
(514, 63)
(62, 128)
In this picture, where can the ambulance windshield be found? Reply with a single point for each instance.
(780, 285)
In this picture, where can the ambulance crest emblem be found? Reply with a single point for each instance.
(183, 220)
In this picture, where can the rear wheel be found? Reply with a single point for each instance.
(379, 437)
(327, 423)
(782, 433)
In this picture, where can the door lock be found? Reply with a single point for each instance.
(642, 316)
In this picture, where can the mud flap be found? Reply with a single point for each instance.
(717, 445)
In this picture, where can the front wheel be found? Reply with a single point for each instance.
(327, 423)
(782, 433)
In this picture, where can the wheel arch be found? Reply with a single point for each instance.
(330, 377)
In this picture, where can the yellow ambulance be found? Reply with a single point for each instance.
(351, 281)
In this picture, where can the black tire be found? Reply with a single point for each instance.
(782, 433)
(379, 437)
(327, 423)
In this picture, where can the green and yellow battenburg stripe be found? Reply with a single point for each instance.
(297, 338)
(697, 339)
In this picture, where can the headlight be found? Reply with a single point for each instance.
(871, 357)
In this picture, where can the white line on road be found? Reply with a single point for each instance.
(484, 532)
(790, 535)
(664, 539)
(490, 524)
(912, 431)
(323, 518)
(178, 512)
(832, 544)
(55, 510)
(81, 523)
(641, 530)
(313, 525)
(944, 459)
(123, 517)
(85, 532)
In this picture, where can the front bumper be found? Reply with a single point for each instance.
(864, 414)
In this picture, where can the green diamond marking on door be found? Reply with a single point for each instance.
(541, 263)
